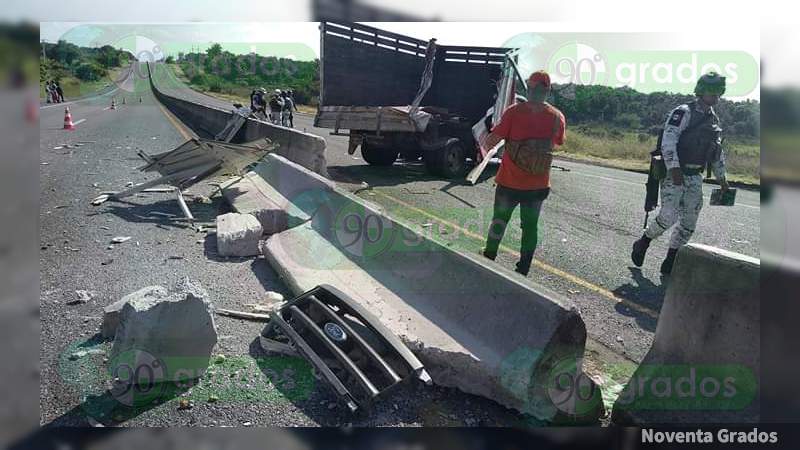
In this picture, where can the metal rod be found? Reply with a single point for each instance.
(184, 207)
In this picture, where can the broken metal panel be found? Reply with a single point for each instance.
(221, 157)
(347, 345)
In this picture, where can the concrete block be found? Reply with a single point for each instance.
(168, 339)
(111, 312)
(482, 330)
(238, 234)
(706, 349)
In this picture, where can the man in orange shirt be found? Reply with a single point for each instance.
(530, 130)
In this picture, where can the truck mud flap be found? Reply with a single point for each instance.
(346, 345)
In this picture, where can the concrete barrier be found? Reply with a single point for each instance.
(703, 366)
(476, 327)
(303, 148)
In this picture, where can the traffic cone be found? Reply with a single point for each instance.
(68, 125)
(32, 111)
(113, 103)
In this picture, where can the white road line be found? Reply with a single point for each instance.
(79, 121)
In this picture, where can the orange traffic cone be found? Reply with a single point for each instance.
(32, 111)
(113, 103)
(68, 125)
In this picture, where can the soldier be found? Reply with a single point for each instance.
(690, 142)
(276, 107)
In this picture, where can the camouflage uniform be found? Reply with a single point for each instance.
(682, 203)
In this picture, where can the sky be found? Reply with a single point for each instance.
(300, 40)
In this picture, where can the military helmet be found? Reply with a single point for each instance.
(262, 90)
(711, 83)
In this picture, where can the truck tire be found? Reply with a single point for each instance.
(452, 160)
(377, 156)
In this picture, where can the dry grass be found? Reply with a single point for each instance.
(630, 150)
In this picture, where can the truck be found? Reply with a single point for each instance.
(398, 96)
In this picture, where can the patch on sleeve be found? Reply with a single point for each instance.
(676, 117)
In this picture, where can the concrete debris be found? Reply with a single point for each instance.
(171, 335)
(272, 296)
(81, 353)
(238, 234)
(100, 199)
(111, 312)
(81, 296)
(120, 239)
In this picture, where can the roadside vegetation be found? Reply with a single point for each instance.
(232, 77)
(617, 127)
(80, 70)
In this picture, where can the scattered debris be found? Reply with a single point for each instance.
(162, 189)
(426, 225)
(81, 353)
(111, 312)
(619, 338)
(81, 296)
(178, 328)
(242, 314)
(120, 239)
(129, 184)
(184, 404)
(100, 199)
(238, 234)
(202, 199)
(107, 262)
(273, 296)
(44, 164)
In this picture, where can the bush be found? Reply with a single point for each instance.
(198, 79)
(628, 120)
(89, 72)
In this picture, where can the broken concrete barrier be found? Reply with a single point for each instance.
(475, 326)
(207, 121)
(164, 339)
(704, 364)
(238, 234)
(111, 312)
(290, 197)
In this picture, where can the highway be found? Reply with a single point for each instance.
(587, 227)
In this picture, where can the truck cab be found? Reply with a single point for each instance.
(398, 96)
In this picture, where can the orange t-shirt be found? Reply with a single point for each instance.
(520, 122)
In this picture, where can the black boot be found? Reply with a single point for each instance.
(524, 263)
(666, 266)
(489, 254)
(639, 250)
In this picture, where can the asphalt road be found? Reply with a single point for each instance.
(587, 227)
(76, 254)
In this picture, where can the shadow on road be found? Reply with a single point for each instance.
(404, 173)
(644, 292)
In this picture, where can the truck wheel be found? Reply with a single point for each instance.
(452, 160)
(377, 156)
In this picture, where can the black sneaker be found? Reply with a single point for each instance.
(669, 261)
(639, 250)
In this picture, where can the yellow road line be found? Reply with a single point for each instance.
(542, 265)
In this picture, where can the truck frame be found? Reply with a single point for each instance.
(400, 96)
